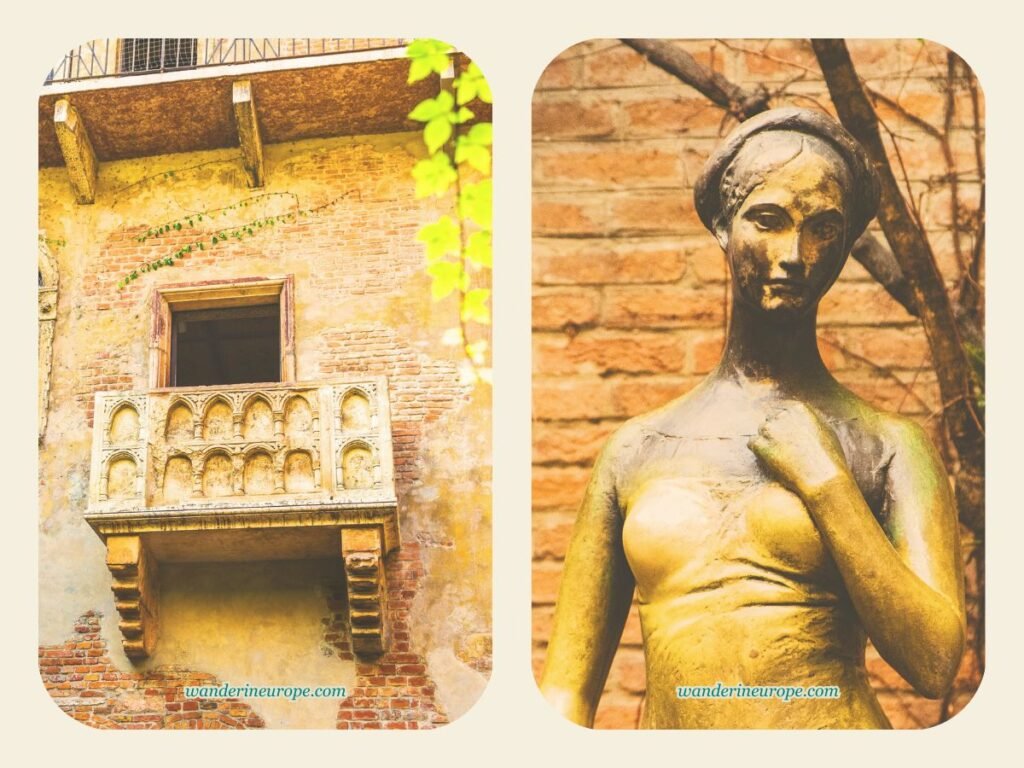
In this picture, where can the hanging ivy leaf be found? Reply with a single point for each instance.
(441, 238)
(428, 109)
(474, 306)
(477, 155)
(475, 203)
(478, 248)
(427, 57)
(437, 132)
(434, 176)
(448, 276)
(472, 85)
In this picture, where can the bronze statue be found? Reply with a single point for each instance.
(770, 519)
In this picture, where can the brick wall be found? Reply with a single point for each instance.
(630, 291)
(362, 306)
(85, 684)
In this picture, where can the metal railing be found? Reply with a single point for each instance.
(140, 56)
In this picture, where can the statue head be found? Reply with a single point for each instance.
(787, 195)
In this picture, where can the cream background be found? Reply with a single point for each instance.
(512, 42)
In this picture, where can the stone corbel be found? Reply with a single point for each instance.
(76, 148)
(248, 132)
(363, 551)
(135, 586)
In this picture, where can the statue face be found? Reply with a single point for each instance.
(786, 241)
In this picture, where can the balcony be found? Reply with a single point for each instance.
(245, 472)
(123, 57)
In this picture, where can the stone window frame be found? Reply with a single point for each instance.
(218, 294)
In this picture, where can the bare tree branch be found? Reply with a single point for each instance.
(882, 265)
(914, 255)
(740, 103)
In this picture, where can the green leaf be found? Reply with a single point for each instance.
(447, 276)
(481, 133)
(479, 157)
(474, 306)
(478, 248)
(427, 56)
(475, 203)
(428, 109)
(472, 85)
(441, 238)
(434, 176)
(464, 115)
(437, 132)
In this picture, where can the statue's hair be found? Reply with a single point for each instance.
(717, 198)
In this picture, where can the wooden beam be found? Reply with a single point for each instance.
(248, 132)
(77, 150)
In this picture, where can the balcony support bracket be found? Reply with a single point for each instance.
(363, 551)
(244, 107)
(76, 148)
(135, 586)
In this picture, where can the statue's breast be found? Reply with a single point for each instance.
(684, 535)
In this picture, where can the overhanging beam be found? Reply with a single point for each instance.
(76, 148)
(248, 132)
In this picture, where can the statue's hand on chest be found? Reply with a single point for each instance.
(798, 448)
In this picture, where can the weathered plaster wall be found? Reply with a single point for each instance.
(362, 304)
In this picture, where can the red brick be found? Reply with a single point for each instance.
(607, 352)
(559, 487)
(554, 309)
(571, 442)
(596, 262)
(635, 395)
(671, 115)
(617, 65)
(653, 213)
(611, 714)
(572, 398)
(564, 217)
(607, 166)
(904, 348)
(775, 60)
(852, 304)
(576, 118)
(662, 307)
(563, 72)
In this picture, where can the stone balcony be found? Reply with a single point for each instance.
(245, 472)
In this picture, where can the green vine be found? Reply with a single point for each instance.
(213, 237)
(458, 246)
(52, 242)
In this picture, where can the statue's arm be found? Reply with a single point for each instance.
(593, 600)
(905, 579)
(925, 644)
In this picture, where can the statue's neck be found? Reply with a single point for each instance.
(782, 352)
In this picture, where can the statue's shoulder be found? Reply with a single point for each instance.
(634, 435)
(898, 432)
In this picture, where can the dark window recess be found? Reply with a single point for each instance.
(238, 345)
(154, 54)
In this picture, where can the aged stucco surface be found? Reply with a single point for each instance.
(362, 305)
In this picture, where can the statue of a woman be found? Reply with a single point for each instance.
(770, 520)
